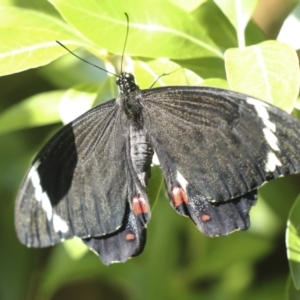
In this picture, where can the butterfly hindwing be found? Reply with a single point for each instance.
(126, 242)
(220, 218)
(211, 218)
(129, 240)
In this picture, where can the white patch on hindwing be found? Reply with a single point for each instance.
(59, 224)
(182, 181)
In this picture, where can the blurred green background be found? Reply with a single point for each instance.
(178, 261)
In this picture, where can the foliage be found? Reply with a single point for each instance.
(202, 43)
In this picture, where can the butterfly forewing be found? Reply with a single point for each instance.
(79, 184)
(234, 143)
(216, 146)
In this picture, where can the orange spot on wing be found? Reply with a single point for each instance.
(205, 218)
(178, 196)
(139, 205)
(130, 237)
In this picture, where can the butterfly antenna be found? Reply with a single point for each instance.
(85, 60)
(160, 76)
(126, 38)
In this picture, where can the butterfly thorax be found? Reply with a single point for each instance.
(140, 149)
(129, 97)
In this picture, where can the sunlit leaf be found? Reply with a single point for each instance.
(38, 110)
(27, 39)
(216, 82)
(238, 13)
(163, 72)
(268, 71)
(188, 5)
(293, 242)
(75, 248)
(159, 34)
(77, 101)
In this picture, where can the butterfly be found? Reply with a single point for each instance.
(215, 148)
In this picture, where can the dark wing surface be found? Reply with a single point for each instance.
(79, 184)
(215, 148)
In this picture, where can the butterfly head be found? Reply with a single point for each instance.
(126, 83)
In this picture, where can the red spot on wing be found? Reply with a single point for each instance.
(130, 237)
(205, 218)
(178, 196)
(139, 205)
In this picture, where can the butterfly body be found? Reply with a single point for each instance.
(215, 148)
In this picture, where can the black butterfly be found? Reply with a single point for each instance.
(215, 148)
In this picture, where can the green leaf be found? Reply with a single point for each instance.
(293, 242)
(297, 104)
(108, 90)
(75, 248)
(188, 5)
(216, 82)
(291, 293)
(254, 34)
(163, 72)
(38, 110)
(155, 185)
(206, 67)
(212, 265)
(220, 29)
(152, 32)
(210, 17)
(238, 13)
(27, 39)
(38, 5)
(68, 71)
(268, 71)
(77, 100)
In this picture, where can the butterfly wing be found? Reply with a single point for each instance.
(216, 147)
(80, 183)
(126, 242)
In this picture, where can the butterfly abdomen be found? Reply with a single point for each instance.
(141, 153)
